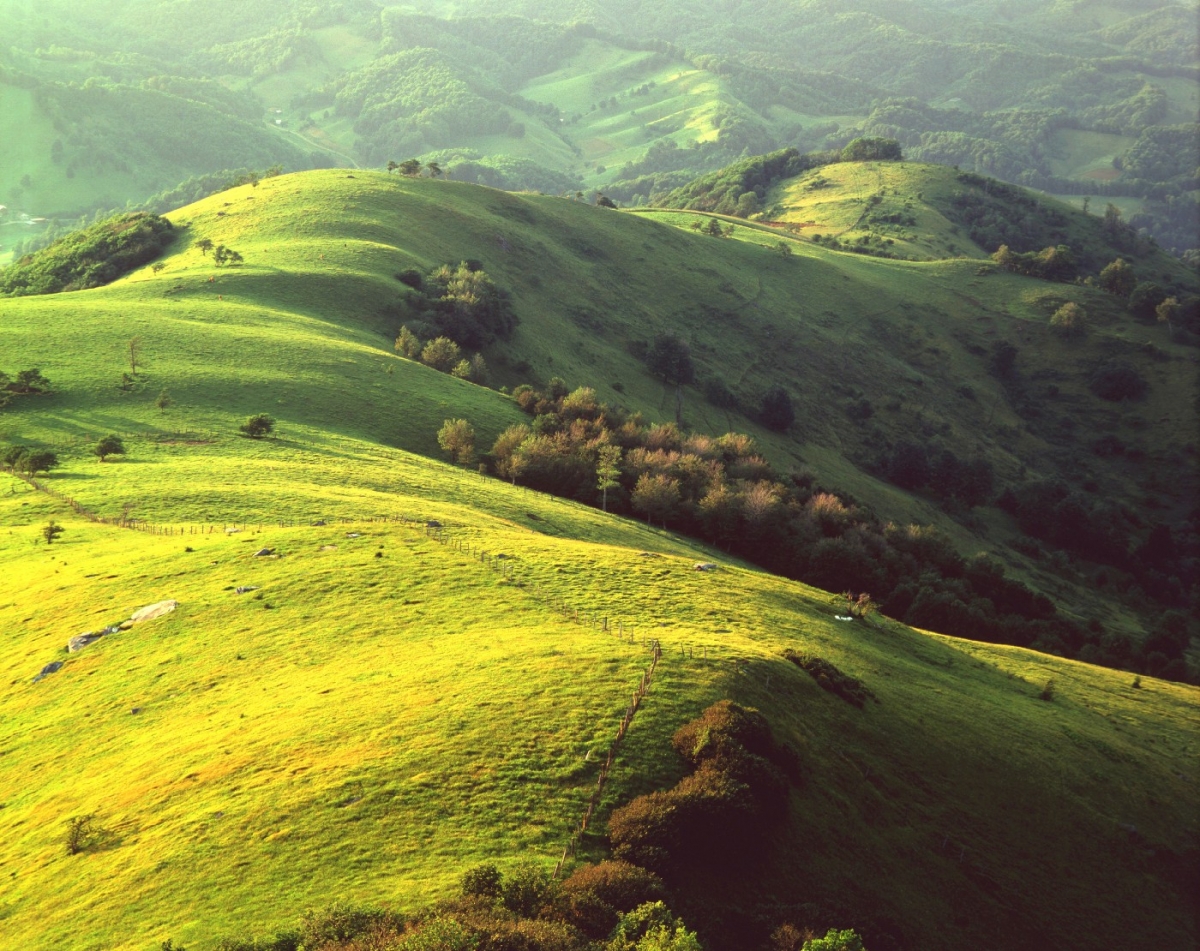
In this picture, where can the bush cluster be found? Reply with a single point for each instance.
(734, 795)
(25, 383)
(829, 678)
(459, 302)
(722, 490)
(90, 258)
(1054, 263)
(611, 906)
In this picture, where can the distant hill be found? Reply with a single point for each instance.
(121, 99)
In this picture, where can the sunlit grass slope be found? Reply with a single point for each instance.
(322, 249)
(367, 727)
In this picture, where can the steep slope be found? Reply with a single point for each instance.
(252, 756)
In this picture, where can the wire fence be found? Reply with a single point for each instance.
(622, 629)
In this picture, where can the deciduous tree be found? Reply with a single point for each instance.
(457, 437)
(608, 470)
(656, 497)
(110, 445)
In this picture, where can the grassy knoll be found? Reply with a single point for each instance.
(319, 291)
(366, 728)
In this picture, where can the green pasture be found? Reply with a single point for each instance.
(366, 728)
(1087, 155)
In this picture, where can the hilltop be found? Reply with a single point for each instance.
(322, 735)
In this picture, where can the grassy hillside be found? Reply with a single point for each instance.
(368, 727)
(592, 287)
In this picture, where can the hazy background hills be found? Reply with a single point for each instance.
(115, 101)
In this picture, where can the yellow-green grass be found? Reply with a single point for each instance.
(368, 727)
(360, 726)
(304, 331)
(836, 201)
(462, 706)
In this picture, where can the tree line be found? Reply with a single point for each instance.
(722, 490)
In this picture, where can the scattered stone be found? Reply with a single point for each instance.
(80, 641)
(125, 625)
(233, 531)
(327, 548)
(353, 534)
(433, 523)
(648, 554)
(152, 611)
(135, 710)
(843, 617)
(319, 523)
(51, 668)
(245, 589)
(704, 566)
(264, 553)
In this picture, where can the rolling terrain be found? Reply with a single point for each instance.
(102, 98)
(382, 711)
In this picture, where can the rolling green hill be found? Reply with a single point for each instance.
(383, 711)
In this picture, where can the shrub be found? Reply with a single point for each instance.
(81, 831)
(1117, 380)
(439, 934)
(618, 884)
(29, 381)
(776, 411)
(411, 277)
(720, 729)
(442, 354)
(835, 940)
(109, 446)
(647, 830)
(829, 678)
(482, 881)
(408, 344)
(457, 437)
(13, 457)
(1118, 278)
(258, 426)
(1069, 321)
(51, 530)
(40, 461)
(527, 889)
(713, 812)
(338, 922)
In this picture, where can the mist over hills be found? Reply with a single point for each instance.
(631, 99)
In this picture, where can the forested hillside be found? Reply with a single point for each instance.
(632, 99)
